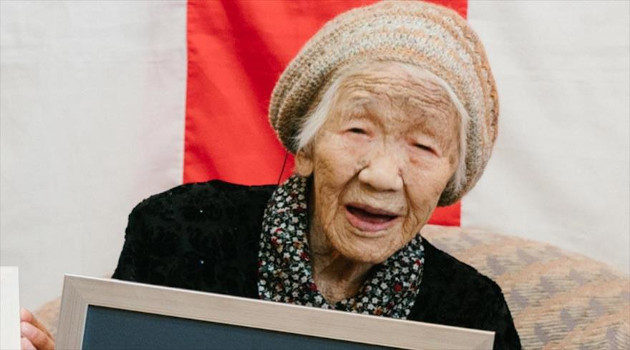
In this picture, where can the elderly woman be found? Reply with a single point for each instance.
(390, 110)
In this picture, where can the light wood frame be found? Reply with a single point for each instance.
(80, 292)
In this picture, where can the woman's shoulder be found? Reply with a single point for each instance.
(201, 236)
(200, 197)
(455, 293)
(204, 209)
(444, 271)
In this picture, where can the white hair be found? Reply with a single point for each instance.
(318, 115)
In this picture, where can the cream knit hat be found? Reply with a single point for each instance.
(429, 36)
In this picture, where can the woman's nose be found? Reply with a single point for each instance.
(383, 173)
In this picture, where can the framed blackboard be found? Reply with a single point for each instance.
(110, 314)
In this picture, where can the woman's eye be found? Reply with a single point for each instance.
(358, 131)
(423, 147)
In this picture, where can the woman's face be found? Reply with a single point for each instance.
(380, 162)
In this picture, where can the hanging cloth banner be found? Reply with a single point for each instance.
(236, 52)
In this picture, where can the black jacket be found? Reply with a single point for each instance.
(205, 237)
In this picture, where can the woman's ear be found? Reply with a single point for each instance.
(304, 162)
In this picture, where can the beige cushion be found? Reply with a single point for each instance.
(558, 299)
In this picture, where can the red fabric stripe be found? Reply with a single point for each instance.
(236, 52)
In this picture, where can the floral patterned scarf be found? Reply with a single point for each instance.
(285, 274)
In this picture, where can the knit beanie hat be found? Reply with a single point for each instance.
(425, 35)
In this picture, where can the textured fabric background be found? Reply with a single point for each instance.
(93, 119)
(558, 299)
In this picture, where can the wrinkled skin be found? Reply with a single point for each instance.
(379, 163)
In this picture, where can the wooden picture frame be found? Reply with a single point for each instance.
(84, 295)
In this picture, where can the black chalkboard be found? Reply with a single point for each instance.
(109, 328)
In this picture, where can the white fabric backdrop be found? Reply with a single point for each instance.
(93, 98)
(560, 168)
(92, 121)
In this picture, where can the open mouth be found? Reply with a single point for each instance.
(369, 219)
